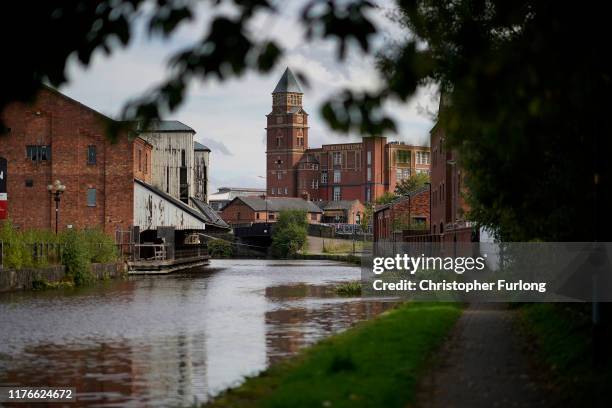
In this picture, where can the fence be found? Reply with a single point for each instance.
(40, 253)
(350, 229)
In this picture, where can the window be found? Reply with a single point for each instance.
(278, 141)
(286, 191)
(91, 154)
(272, 190)
(369, 174)
(422, 157)
(313, 216)
(38, 153)
(256, 215)
(337, 194)
(29, 183)
(425, 171)
(369, 157)
(402, 174)
(183, 161)
(336, 176)
(337, 156)
(300, 141)
(402, 156)
(368, 195)
(91, 197)
(279, 175)
(314, 184)
(271, 216)
(139, 160)
(146, 163)
(323, 177)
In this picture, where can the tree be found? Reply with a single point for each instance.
(416, 180)
(386, 198)
(289, 233)
(226, 49)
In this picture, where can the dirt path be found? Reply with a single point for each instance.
(484, 364)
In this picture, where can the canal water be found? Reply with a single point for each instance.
(170, 340)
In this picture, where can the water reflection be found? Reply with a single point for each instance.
(169, 340)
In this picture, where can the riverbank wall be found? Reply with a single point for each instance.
(23, 279)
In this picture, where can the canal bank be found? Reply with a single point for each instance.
(376, 364)
(31, 278)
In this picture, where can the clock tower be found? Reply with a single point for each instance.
(287, 137)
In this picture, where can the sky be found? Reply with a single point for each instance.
(229, 117)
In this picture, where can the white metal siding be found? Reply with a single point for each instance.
(152, 210)
(167, 147)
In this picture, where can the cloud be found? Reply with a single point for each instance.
(230, 116)
(216, 146)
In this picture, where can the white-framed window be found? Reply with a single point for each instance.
(337, 194)
(315, 184)
(422, 157)
(336, 176)
(369, 157)
(369, 174)
(286, 191)
(323, 177)
(279, 175)
(337, 156)
(402, 174)
(272, 191)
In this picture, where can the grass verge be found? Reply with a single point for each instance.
(349, 289)
(375, 364)
(562, 338)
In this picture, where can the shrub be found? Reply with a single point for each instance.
(101, 247)
(290, 233)
(76, 258)
(15, 251)
(218, 248)
(349, 289)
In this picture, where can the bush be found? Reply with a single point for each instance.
(101, 247)
(76, 258)
(290, 233)
(15, 251)
(218, 248)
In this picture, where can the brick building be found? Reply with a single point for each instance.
(345, 171)
(408, 214)
(108, 185)
(58, 138)
(257, 209)
(448, 206)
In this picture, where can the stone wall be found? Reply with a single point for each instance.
(22, 279)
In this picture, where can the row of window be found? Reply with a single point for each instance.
(422, 157)
(279, 191)
(38, 153)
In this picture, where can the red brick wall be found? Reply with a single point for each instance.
(69, 128)
(237, 212)
(142, 160)
(399, 214)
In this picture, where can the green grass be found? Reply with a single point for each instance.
(375, 364)
(562, 339)
(349, 289)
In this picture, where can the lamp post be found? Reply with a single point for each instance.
(56, 189)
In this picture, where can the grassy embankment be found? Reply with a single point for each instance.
(562, 338)
(375, 364)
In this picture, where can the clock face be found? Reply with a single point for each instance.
(299, 119)
(279, 119)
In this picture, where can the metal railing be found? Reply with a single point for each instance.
(350, 229)
(149, 252)
(42, 252)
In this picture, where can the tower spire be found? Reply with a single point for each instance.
(288, 83)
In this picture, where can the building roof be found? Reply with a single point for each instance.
(288, 83)
(257, 203)
(209, 213)
(337, 205)
(205, 218)
(229, 193)
(168, 126)
(199, 147)
(400, 199)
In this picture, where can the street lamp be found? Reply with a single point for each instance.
(56, 189)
